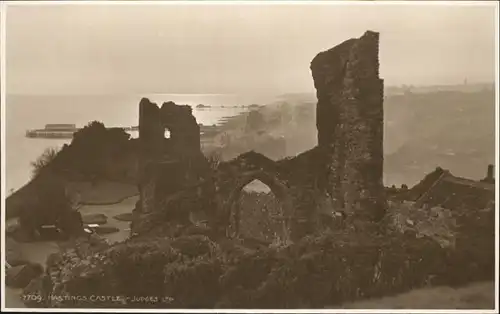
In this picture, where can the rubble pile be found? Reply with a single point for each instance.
(436, 222)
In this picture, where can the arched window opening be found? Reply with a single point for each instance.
(258, 213)
(257, 186)
(167, 133)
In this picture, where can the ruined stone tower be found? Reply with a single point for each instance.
(350, 125)
(169, 164)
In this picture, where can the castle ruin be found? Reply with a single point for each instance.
(345, 167)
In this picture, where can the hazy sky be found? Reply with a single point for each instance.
(68, 49)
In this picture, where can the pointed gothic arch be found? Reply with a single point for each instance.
(277, 187)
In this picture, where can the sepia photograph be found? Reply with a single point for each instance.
(224, 156)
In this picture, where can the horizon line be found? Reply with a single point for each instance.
(232, 93)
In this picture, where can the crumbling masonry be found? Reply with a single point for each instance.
(345, 168)
(350, 124)
(168, 166)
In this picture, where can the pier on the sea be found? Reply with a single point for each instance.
(63, 131)
(59, 131)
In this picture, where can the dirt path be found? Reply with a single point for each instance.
(126, 206)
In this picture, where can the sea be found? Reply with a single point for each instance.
(26, 112)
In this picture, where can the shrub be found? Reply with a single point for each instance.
(214, 159)
(49, 204)
(335, 268)
(193, 283)
(138, 266)
(44, 161)
(326, 270)
(93, 145)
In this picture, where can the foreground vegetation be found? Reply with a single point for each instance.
(191, 270)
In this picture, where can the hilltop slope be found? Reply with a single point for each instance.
(453, 130)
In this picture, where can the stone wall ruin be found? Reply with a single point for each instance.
(167, 165)
(344, 170)
(234, 175)
(350, 124)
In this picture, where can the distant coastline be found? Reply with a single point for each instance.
(463, 86)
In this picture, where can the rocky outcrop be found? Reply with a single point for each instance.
(350, 125)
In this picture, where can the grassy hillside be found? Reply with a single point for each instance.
(453, 130)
